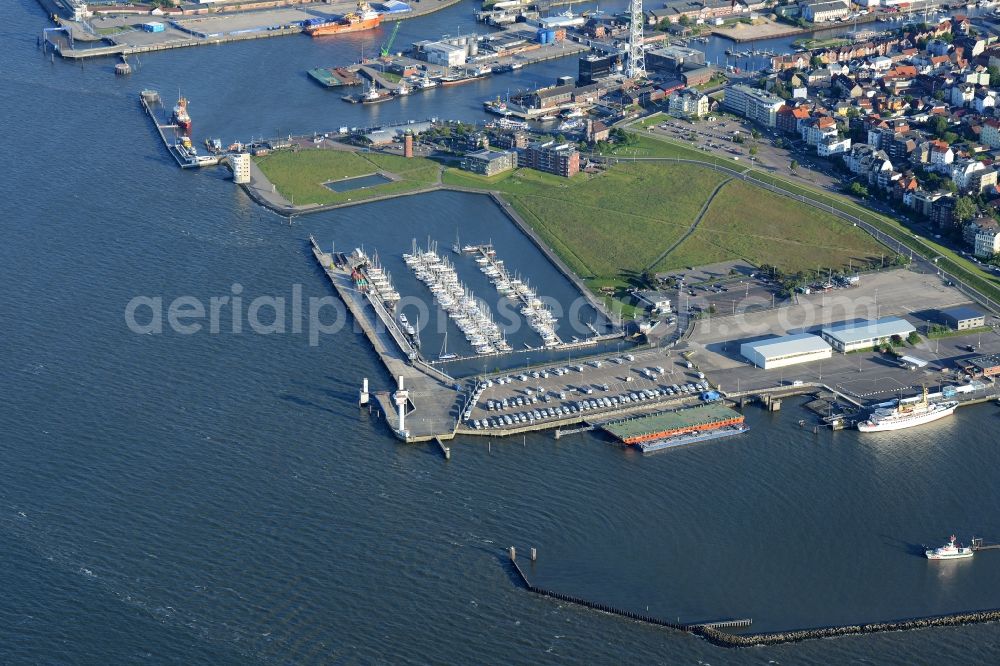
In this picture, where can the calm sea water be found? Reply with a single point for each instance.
(219, 498)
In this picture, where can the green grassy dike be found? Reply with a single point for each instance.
(611, 226)
(947, 260)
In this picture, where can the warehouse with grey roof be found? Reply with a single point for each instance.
(778, 352)
(865, 334)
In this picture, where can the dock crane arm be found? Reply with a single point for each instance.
(392, 38)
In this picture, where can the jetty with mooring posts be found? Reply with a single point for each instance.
(978, 544)
(177, 143)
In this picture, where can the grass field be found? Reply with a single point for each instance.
(607, 225)
(647, 146)
(610, 227)
(947, 259)
(300, 175)
(765, 228)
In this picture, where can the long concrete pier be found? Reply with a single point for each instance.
(150, 100)
(432, 412)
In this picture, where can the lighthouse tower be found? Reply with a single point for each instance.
(401, 397)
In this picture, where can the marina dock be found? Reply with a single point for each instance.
(492, 54)
(151, 102)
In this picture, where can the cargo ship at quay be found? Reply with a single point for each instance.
(365, 18)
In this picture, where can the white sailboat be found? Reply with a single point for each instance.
(444, 355)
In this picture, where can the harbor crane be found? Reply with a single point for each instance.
(392, 38)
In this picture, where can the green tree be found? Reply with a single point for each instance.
(858, 190)
(752, 150)
(684, 20)
(816, 61)
(939, 126)
(965, 209)
(794, 165)
(994, 73)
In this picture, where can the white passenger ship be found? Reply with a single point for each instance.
(907, 415)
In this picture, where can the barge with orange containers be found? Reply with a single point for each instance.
(665, 430)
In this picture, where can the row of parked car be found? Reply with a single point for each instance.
(530, 417)
(557, 372)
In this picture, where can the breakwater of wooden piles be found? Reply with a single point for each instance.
(710, 631)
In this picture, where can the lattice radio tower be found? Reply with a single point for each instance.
(636, 66)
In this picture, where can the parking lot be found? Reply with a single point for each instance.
(714, 345)
(590, 390)
(897, 292)
(717, 138)
(865, 375)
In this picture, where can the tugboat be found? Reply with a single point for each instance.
(373, 95)
(949, 551)
(365, 18)
(425, 82)
(496, 106)
(180, 116)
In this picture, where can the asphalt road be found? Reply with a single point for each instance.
(716, 139)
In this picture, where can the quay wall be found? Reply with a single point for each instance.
(126, 49)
